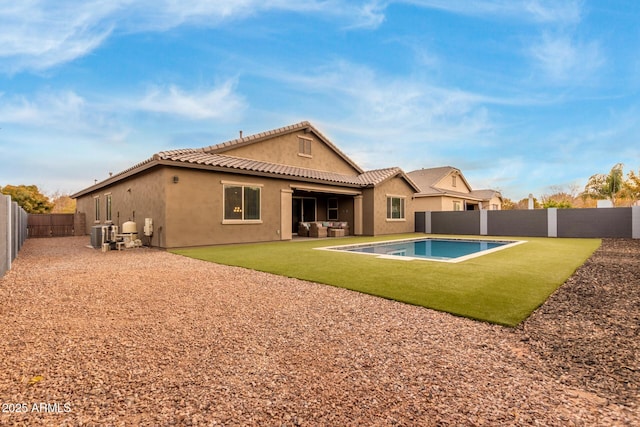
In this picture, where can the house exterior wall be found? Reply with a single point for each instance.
(396, 187)
(133, 199)
(446, 183)
(438, 203)
(424, 204)
(195, 210)
(190, 212)
(495, 201)
(284, 150)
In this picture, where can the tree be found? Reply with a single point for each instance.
(559, 199)
(633, 186)
(62, 203)
(560, 204)
(507, 204)
(28, 197)
(606, 186)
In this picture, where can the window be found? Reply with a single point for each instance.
(453, 180)
(97, 208)
(304, 147)
(241, 203)
(108, 200)
(395, 208)
(495, 207)
(457, 206)
(332, 209)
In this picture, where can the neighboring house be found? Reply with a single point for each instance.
(251, 189)
(446, 189)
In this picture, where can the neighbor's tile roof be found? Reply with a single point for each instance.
(486, 194)
(426, 179)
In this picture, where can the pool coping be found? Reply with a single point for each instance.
(344, 248)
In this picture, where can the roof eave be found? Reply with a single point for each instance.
(154, 161)
(157, 162)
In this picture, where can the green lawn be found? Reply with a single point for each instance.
(502, 287)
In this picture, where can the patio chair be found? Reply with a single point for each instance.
(317, 230)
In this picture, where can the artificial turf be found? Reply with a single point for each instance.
(504, 287)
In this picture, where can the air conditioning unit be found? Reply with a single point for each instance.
(97, 236)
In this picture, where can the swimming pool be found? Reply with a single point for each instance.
(434, 249)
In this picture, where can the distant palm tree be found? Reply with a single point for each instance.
(606, 186)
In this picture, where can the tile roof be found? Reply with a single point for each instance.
(426, 179)
(486, 194)
(201, 157)
(212, 158)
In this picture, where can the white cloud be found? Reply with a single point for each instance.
(47, 109)
(217, 103)
(562, 59)
(389, 120)
(542, 11)
(38, 34)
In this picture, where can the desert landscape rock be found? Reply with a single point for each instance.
(145, 337)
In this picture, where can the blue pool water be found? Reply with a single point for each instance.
(440, 249)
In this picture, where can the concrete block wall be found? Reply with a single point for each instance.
(598, 223)
(13, 231)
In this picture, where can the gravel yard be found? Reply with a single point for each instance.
(145, 337)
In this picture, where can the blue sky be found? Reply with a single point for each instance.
(523, 96)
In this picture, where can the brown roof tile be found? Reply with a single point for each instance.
(212, 156)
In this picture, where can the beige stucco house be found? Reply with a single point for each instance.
(251, 189)
(446, 189)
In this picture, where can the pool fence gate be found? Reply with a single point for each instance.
(552, 222)
(13, 231)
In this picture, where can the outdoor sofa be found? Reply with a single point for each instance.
(323, 229)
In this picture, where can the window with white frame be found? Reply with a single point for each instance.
(96, 201)
(395, 207)
(457, 205)
(108, 206)
(241, 202)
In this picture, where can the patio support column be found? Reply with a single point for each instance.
(286, 209)
(635, 222)
(357, 215)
